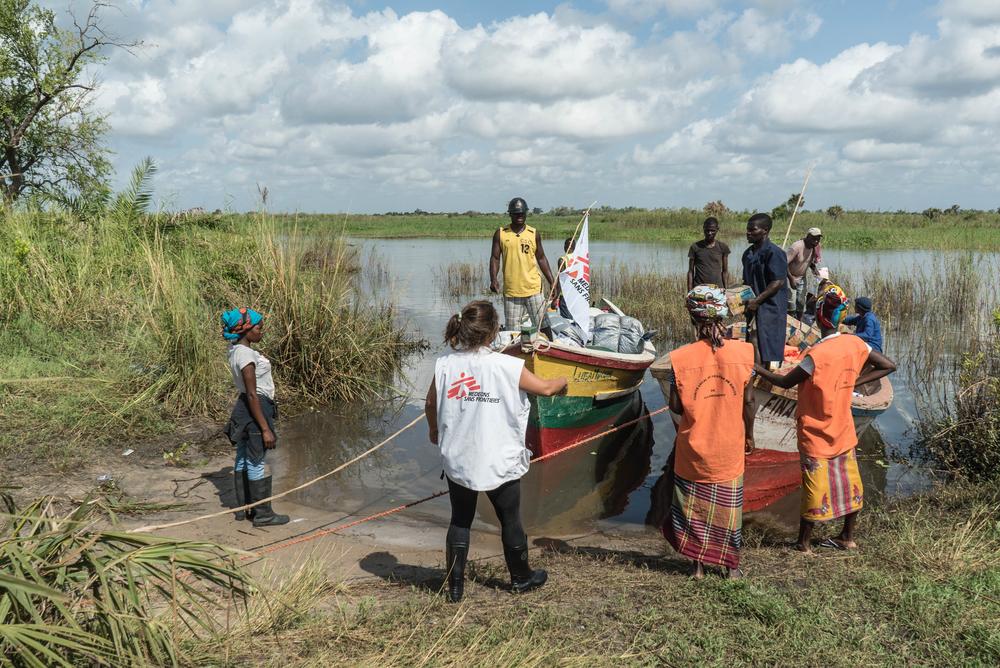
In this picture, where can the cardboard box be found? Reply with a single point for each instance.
(737, 296)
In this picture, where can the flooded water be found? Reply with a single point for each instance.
(602, 486)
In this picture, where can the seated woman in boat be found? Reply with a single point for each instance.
(826, 379)
(477, 412)
(711, 384)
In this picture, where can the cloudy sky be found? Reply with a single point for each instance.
(365, 106)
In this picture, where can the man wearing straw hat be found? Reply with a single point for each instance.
(802, 255)
(519, 247)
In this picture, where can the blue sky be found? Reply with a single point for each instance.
(369, 107)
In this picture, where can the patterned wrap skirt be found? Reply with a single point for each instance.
(831, 488)
(706, 521)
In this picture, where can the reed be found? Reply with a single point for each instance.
(655, 298)
(460, 280)
(959, 432)
(327, 346)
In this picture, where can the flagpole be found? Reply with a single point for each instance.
(555, 283)
(798, 203)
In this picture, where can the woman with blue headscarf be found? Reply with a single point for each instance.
(251, 425)
(825, 431)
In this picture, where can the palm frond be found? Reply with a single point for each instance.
(133, 202)
(73, 593)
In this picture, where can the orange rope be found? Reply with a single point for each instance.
(391, 511)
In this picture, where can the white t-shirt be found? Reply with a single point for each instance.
(809, 365)
(482, 418)
(241, 355)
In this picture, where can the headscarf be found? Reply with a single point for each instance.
(831, 307)
(864, 304)
(238, 321)
(708, 308)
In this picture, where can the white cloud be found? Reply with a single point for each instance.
(328, 106)
(756, 32)
(535, 58)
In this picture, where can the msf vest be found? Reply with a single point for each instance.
(521, 277)
(482, 418)
(823, 417)
(711, 436)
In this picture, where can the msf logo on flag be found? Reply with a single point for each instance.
(578, 267)
(461, 387)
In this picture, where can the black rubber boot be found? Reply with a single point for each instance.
(522, 578)
(264, 515)
(242, 486)
(456, 554)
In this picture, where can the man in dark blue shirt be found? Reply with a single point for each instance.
(765, 269)
(866, 324)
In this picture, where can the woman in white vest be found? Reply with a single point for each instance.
(477, 411)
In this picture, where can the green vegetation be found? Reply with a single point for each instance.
(109, 327)
(462, 279)
(655, 298)
(922, 590)
(962, 436)
(974, 230)
(51, 137)
(74, 595)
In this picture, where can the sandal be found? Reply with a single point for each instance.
(832, 544)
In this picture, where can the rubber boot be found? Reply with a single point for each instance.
(522, 578)
(264, 515)
(242, 486)
(456, 555)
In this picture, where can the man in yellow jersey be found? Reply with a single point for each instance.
(519, 247)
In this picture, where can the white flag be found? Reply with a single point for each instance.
(574, 279)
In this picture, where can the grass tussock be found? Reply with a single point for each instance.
(960, 433)
(922, 590)
(109, 328)
(655, 298)
(461, 280)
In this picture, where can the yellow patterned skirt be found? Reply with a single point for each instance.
(831, 488)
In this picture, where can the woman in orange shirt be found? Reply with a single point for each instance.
(826, 378)
(711, 384)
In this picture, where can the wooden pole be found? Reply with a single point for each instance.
(798, 203)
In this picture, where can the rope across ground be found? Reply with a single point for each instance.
(391, 511)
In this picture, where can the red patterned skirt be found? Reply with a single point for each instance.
(706, 521)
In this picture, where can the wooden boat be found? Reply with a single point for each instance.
(602, 387)
(772, 470)
(591, 482)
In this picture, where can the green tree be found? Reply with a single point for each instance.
(835, 211)
(785, 209)
(51, 138)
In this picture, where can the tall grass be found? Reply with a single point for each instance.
(109, 329)
(655, 298)
(327, 345)
(960, 431)
(461, 279)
